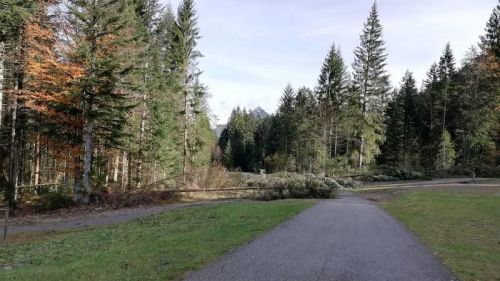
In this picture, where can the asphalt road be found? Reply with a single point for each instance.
(346, 239)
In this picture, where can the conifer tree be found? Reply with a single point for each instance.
(164, 100)
(474, 117)
(286, 123)
(402, 126)
(491, 40)
(445, 158)
(186, 36)
(371, 87)
(98, 37)
(332, 95)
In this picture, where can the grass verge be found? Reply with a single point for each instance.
(462, 228)
(163, 247)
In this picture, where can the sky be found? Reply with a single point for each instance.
(253, 49)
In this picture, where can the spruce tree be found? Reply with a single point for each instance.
(98, 38)
(308, 149)
(474, 122)
(165, 102)
(332, 95)
(286, 122)
(445, 158)
(402, 126)
(446, 96)
(491, 40)
(371, 88)
(186, 36)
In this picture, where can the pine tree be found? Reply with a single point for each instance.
(308, 149)
(491, 40)
(238, 140)
(474, 122)
(446, 84)
(490, 66)
(332, 95)
(98, 37)
(446, 93)
(286, 124)
(186, 36)
(371, 87)
(164, 102)
(402, 127)
(445, 158)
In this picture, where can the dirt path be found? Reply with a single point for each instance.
(102, 218)
(346, 239)
(383, 192)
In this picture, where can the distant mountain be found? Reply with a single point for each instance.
(258, 112)
(218, 130)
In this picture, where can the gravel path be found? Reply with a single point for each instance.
(346, 239)
(104, 218)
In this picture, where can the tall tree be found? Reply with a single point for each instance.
(490, 64)
(403, 125)
(186, 39)
(491, 40)
(331, 94)
(371, 87)
(165, 101)
(474, 116)
(98, 36)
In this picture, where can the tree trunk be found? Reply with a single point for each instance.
(361, 150)
(185, 144)
(129, 171)
(88, 141)
(154, 171)
(2, 52)
(66, 172)
(78, 180)
(442, 133)
(116, 167)
(14, 154)
(335, 146)
(37, 162)
(143, 129)
(124, 170)
(141, 139)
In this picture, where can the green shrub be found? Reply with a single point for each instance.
(53, 201)
(291, 185)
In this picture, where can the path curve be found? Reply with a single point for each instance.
(345, 239)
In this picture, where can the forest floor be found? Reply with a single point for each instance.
(457, 220)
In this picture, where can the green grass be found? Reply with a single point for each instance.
(163, 247)
(462, 228)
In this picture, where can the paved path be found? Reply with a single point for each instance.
(104, 218)
(346, 239)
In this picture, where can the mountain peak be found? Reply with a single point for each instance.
(258, 112)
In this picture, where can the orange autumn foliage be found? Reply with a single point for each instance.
(49, 80)
(48, 77)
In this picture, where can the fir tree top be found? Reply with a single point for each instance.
(370, 76)
(491, 40)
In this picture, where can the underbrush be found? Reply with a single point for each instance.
(132, 199)
(291, 185)
(390, 173)
(57, 200)
(215, 177)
